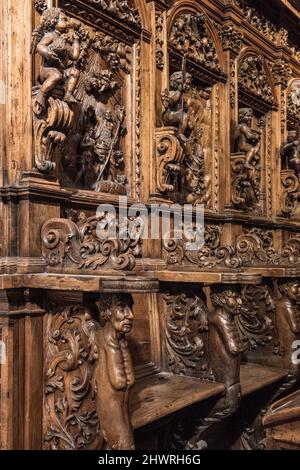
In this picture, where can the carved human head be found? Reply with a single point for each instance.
(116, 310)
(292, 135)
(227, 299)
(54, 18)
(245, 115)
(290, 289)
(176, 80)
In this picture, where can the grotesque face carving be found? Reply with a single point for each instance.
(229, 301)
(291, 290)
(121, 315)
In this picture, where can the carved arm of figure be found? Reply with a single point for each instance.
(113, 375)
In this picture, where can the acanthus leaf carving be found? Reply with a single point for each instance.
(253, 80)
(78, 244)
(186, 321)
(255, 322)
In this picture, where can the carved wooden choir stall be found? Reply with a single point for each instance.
(124, 342)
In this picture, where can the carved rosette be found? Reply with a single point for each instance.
(70, 418)
(66, 243)
(186, 324)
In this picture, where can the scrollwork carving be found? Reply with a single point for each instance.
(70, 420)
(255, 324)
(78, 244)
(186, 320)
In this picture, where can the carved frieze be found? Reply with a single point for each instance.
(90, 242)
(123, 10)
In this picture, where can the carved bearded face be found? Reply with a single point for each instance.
(293, 291)
(233, 303)
(121, 315)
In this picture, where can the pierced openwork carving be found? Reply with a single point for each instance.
(191, 37)
(77, 244)
(254, 83)
(186, 321)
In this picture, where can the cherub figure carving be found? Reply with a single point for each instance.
(176, 107)
(247, 139)
(113, 374)
(290, 153)
(58, 45)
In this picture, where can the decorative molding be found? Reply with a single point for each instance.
(159, 27)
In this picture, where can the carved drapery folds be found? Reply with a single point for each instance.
(90, 243)
(186, 324)
(80, 101)
(88, 376)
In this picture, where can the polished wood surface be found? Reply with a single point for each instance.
(109, 342)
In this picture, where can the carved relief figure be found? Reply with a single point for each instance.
(225, 346)
(59, 49)
(288, 321)
(290, 153)
(248, 140)
(113, 374)
(224, 352)
(290, 173)
(176, 106)
(246, 170)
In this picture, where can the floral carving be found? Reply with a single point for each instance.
(70, 420)
(191, 37)
(66, 242)
(255, 322)
(123, 10)
(253, 79)
(186, 319)
(231, 38)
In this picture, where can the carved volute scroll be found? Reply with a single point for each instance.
(113, 375)
(80, 101)
(75, 242)
(186, 326)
